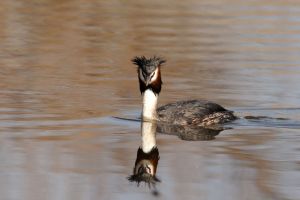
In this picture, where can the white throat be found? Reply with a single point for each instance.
(148, 136)
(149, 105)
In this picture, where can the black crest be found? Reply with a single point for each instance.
(143, 62)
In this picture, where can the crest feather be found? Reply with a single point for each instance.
(142, 61)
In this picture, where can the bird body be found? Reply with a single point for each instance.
(194, 112)
(189, 112)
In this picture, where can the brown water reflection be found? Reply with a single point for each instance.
(65, 69)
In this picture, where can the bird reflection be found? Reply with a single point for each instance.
(190, 133)
(147, 157)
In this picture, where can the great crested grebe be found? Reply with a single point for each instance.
(190, 112)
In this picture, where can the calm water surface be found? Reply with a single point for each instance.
(65, 71)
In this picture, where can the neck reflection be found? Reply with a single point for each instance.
(147, 157)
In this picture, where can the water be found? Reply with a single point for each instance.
(65, 71)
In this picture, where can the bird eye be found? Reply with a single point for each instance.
(152, 75)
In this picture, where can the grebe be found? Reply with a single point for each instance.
(190, 112)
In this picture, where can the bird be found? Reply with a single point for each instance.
(187, 112)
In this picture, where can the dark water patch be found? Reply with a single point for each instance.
(264, 117)
(267, 122)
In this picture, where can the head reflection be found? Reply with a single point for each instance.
(147, 157)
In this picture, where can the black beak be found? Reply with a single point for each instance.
(148, 81)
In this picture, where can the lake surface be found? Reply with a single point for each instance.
(66, 72)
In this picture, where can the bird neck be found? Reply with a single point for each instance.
(149, 105)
